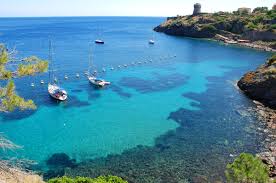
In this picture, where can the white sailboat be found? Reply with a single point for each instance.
(151, 41)
(92, 77)
(54, 90)
(99, 41)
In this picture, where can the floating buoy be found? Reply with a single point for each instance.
(55, 80)
(32, 85)
(111, 68)
(86, 73)
(119, 66)
(66, 77)
(125, 65)
(41, 82)
(103, 70)
(77, 75)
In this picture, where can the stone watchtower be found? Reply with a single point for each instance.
(197, 9)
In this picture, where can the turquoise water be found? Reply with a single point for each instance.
(139, 107)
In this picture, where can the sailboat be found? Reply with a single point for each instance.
(92, 77)
(99, 41)
(151, 41)
(54, 90)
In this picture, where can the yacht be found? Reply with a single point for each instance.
(54, 90)
(92, 77)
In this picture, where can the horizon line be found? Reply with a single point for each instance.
(69, 16)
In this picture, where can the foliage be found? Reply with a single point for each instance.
(272, 59)
(247, 169)
(101, 179)
(260, 9)
(260, 20)
(9, 100)
(209, 27)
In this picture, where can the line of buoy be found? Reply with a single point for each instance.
(112, 68)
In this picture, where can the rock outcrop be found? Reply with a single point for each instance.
(256, 27)
(260, 85)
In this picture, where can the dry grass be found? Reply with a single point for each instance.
(10, 174)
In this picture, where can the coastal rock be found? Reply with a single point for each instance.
(60, 160)
(260, 85)
(236, 28)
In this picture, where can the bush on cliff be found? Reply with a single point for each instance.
(101, 179)
(272, 60)
(247, 169)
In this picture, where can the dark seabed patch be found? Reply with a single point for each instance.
(73, 101)
(120, 91)
(76, 91)
(197, 151)
(17, 115)
(161, 83)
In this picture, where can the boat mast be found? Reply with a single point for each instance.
(50, 60)
(90, 58)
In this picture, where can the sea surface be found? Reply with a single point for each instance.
(174, 117)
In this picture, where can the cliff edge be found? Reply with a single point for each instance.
(260, 85)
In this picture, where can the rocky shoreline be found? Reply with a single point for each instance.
(268, 117)
(253, 45)
(261, 85)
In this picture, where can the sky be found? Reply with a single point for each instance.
(42, 8)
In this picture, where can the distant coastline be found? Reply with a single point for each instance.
(254, 30)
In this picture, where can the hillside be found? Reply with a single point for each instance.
(258, 26)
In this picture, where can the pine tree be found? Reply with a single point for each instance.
(247, 169)
(9, 100)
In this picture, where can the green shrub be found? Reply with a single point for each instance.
(101, 179)
(209, 27)
(272, 60)
(247, 169)
(260, 9)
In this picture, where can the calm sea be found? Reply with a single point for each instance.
(173, 118)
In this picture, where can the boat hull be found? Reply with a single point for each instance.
(99, 42)
(53, 88)
(98, 83)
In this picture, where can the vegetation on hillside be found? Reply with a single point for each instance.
(247, 169)
(260, 19)
(11, 67)
(101, 179)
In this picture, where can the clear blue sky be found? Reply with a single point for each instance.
(18, 8)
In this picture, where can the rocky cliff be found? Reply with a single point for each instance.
(258, 26)
(260, 85)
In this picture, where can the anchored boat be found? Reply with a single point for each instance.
(99, 41)
(92, 77)
(54, 90)
(151, 41)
